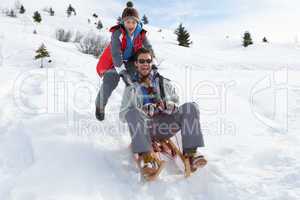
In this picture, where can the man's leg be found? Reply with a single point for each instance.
(141, 143)
(187, 119)
(139, 127)
(191, 133)
(192, 137)
(110, 82)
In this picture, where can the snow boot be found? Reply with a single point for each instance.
(100, 114)
(195, 161)
(150, 166)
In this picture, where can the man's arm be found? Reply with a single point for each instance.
(170, 92)
(128, 101)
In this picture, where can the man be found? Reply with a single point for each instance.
(150, 107)
(117, 59)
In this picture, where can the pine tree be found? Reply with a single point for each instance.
(51, 11)
(265, 40)
(11, 13)
(99, 25)
(145, 19)
(247, 40)
(119, 20)
(42, 53)
(22, 10)
(70, 10)
(37, 17)
(183, 37)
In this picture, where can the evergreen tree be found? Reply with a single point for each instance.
(11, 13)
(119, 20)
(22, 10)
(265, 40)
(70, 10)
(183, 37)
(145, 19)
(37, 17)
(51, 11)
(247, 40)
(42, 53)
(99, 25)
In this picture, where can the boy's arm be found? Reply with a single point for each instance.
(116, 49)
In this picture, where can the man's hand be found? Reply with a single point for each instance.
(167, 107)
(161, 106)
(170, 107)
(150, 109)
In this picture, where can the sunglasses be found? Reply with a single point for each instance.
(142, 61)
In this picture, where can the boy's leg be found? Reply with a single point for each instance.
(110, 82)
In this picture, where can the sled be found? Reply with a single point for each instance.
(169, 149)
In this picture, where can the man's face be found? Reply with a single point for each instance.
(144, 64)
(130, 25)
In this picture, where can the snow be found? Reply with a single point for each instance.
(53, 148)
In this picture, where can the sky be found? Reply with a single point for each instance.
(274, 18)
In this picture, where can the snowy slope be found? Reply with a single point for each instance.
(52, 148)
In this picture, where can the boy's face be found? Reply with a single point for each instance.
(130, 25)
(144, 64)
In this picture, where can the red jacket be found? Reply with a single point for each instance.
(106, 61)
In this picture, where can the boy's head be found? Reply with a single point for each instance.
(130, 16)
(143, 61)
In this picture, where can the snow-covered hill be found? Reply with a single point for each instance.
(52, 148)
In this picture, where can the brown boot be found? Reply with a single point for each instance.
(150, 166)
(196, 161)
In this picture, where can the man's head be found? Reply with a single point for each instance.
(143, 61)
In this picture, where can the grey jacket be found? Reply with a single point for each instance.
(116, 47)
(133, 96)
